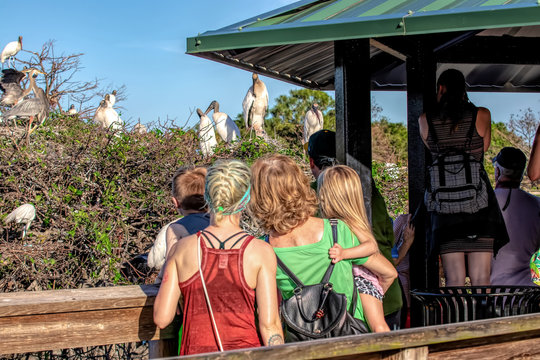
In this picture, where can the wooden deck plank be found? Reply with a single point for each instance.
(76, 329)
(59, 301)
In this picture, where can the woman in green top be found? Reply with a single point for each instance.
(283, 203)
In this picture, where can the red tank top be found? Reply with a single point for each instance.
(232, 300)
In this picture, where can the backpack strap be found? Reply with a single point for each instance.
(327, 274)
(289, 273)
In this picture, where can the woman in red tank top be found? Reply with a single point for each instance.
(238, 271)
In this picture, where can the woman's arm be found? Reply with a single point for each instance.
(533, 169)
(483, 126)
(368, 246)
(169, 293)
(424, 128)
(385, 271)
(266, 296)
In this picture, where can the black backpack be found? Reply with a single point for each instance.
(456, 182)
(317, 311)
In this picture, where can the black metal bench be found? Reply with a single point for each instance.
(456, 304)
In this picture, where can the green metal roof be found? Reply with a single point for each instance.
(328, 20)
(495, 42)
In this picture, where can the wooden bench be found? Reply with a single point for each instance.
(48, 320)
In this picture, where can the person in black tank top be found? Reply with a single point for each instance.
(462, 237)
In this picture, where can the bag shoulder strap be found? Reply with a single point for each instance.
(327, 274)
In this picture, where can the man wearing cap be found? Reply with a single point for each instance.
(322, 154)
(521, 212)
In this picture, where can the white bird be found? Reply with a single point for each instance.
(158, 252)
(313, 121)
(10, 50)
(107, 117)
(72, 110)
(112, 97)
(24, 214)
(225, 126)
(207, 134)
(255, 105)
(140, 129)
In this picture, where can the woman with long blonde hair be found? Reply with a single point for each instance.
(221, 272)
(341, 197)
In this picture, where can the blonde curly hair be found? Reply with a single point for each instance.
(227, 185)
(281, 198)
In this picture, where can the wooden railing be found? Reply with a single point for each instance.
(48, 320)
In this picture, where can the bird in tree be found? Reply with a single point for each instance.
(10, 85)
(106, 116)
(255, 105)
(313, 122)
(10, 50)
(112, 97)
(225, 126)
(32, 108)
(72, 110)
(24, 214)
(207, 135)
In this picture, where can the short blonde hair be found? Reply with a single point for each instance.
(227, 182)
(188, 188)
(341, 197)
(281, 198)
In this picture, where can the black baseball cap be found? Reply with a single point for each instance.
(511, 158)
(322, 144)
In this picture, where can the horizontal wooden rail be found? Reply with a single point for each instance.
(49, 320)
(59, 319)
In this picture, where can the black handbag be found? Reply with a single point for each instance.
(317, 311)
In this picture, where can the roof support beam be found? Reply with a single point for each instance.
(387, 49)
(353, 109)
(421, 72)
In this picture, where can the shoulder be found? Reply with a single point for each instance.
(187, 243)
(177, 230)
(260, 249)
(483, 116)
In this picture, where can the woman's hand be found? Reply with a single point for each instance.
(336, 253)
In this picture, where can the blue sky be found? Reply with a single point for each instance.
(141, 44)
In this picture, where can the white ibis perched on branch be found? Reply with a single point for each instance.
(255, 105)
(140, 129)
(313, 121)
(225, 126)
(10, 84)
(24, 214)
(36, 107)
(207, 135)
(10, 50)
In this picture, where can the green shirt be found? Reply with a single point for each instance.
(309, 263)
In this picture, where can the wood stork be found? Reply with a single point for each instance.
(313, 122)
(255, 105)
(37, 106)
(207, 134)
(107, 117)
(140, 129)
(10, 84)
(225, 126)
(158, 252)
(24, 214)
(72, 110)
(112, 97)
(10, 50)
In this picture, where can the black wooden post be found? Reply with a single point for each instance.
(353, 109)
(421, 72)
